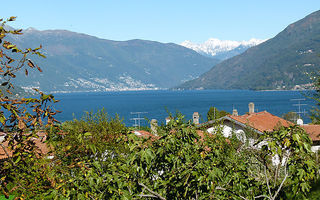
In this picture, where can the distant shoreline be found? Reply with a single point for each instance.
(163, 89)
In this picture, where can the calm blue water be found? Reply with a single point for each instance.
(155, 103)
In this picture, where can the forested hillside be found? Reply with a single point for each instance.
(79, 62)
(279, 63)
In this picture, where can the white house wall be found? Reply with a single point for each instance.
(227, 129)
(315, 148)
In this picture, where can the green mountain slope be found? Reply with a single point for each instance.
(278, 63)
(79, 62)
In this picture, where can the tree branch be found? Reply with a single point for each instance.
(265, 172)
(224, 189)
(156, 195)
(147, 196)
(284, 179)
(261, 196)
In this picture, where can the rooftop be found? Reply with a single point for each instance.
(39, 142)
(261, 121)
(313, 131)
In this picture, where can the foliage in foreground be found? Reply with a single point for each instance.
(98, 158)
(20, 119)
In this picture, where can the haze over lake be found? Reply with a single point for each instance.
(155, 103)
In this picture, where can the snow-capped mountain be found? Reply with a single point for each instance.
(221, 49)
(283, 62)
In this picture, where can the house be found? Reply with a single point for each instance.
(146, 134)
(259, 123)
(142, 133)
(39, 142)
(314, 133)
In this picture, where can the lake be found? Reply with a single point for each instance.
(155, 104)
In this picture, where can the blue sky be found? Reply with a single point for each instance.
(162, 20)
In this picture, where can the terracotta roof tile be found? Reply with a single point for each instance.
(313, 131)
(142, 133)
(39, 142)
(261, 121)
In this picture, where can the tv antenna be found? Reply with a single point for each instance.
(137, 119)
(299, 105)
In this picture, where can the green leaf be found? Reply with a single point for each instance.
(87, 134)
(10, 46)
(2, 119)
(17, 160)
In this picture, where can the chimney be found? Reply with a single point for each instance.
(168, 119)
(234, 112)
(153, 126)
(195, 117)
(251, 108)
(299, 121)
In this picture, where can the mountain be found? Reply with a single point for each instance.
(221, 49)
(16, 92)
(79, 62)
(278, 63)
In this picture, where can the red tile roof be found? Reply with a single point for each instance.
(142, 133)
(261, 121)
(264, 121)
(313, 131)
(39, 142)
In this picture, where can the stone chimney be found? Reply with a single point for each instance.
(251, 108)
(234, 112)
(168, 119)
(153, 126)
(195, 118)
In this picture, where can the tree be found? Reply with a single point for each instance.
(181, 164)
(98, 158)
(21, 118)
(89, 154)
(290, 116)
(214, 113)
(284, 166)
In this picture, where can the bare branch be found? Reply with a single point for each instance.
(262, 196)
(147, 196)
(265, 172)
(152, 192)
(284, 179)
(224, 189)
